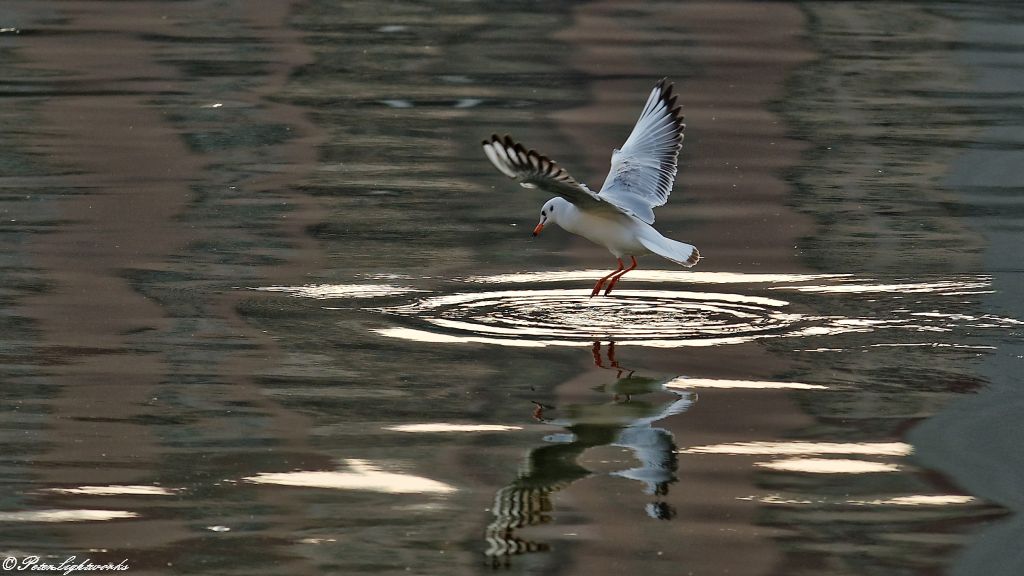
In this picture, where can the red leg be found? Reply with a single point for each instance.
(597, 287)
(615, 278)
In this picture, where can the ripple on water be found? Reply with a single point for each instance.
(569, 317)
(530, 309)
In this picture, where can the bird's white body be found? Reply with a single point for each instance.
(619, 233)
(619, 216)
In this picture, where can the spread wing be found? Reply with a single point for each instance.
(643, 171)
(534, 170)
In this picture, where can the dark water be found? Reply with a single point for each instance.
(265, 308)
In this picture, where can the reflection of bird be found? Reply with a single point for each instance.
(655, 449)
(620, 215)
(529, 499)
(516, 507)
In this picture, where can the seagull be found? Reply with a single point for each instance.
(620, 215)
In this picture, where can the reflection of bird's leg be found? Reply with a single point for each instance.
(596, 349)
(597, 287)
(612, 362)
(615, 363)
(616, 277)
(538, 411)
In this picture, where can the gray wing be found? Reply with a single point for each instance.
(644, 169)
(534, 170)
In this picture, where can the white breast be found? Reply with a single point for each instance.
(616, 232)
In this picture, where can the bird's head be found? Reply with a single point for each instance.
(550, 212)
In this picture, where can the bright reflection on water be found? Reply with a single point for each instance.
(328, 291)
(685, 382)
(743, 308)
(57, 516)
(359, 475)
(813, 465)
(910, 501)
(446, 427)
(678, 276)
(918, 500)
(957, 287)
(792, 448)
(116, 490)
(265, 308)
(828, 466)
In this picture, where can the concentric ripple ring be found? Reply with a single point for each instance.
(569, 317)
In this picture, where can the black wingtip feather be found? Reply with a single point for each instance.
(666, 88)
(671, 100)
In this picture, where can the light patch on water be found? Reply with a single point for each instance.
(911, 500)
(435, 337)
(918, 500)
(777, 499)
(680, 276)
(828, 466)
(933, 345)
(468, 102)
(983, 321)
(826, 330)
(361, 475)
(946, 287)
(426, 336)
(115, 490)
(66, 515)
(819, 349)
(451, 427)
(803, 448)
(688, 383)
(387, 276)
(328, 291)
(575, 296)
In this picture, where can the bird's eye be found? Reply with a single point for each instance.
(542, 213)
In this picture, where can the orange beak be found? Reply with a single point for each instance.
(538, 229)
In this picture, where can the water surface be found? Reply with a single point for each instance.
(265, 307)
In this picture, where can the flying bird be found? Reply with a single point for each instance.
(620, 215)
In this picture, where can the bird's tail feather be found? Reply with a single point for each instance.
(678, 252)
